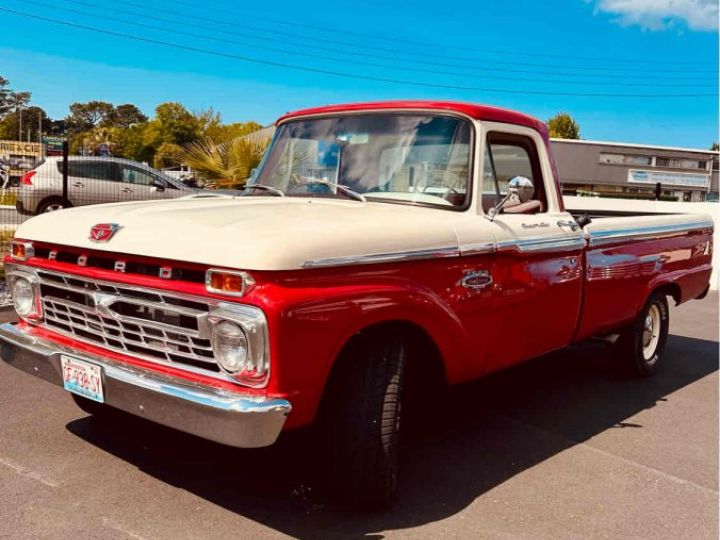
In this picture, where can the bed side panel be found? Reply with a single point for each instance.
(628, 258)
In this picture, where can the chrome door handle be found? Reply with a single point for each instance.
(126, 190)
(568, 223)
(78, 184)
(476, 279)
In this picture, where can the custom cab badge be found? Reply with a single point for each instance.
(102, 232)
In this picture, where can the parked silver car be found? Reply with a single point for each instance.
(93, 180)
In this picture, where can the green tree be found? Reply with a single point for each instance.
(126, 115)
(5, 93)
(86, 116)
(715, 147)
(563, 126)
(31, 119)
(167, 155)
(101, 135)
(173, 123)
(223, 132)
(18, 102)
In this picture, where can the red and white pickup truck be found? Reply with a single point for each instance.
(380, 252)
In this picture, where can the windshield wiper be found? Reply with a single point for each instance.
(276, 191)
(346, 190)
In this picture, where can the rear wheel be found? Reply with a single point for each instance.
(364, 422)
(642, 344)
(52, 204)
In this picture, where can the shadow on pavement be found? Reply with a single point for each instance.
(484, 434)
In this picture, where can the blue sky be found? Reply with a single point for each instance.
(561, 46)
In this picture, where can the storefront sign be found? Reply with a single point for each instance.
(679, 179)
(19, 148)
(53, 146)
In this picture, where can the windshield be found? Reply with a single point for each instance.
(415, 159)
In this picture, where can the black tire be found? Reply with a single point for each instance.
(91, 407)
(53, 203)
(640, 348)
(364, 422)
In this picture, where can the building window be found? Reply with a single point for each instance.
(621, 159)
(637, 160)
(613, 159)
(681, 163)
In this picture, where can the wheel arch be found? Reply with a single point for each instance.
(425, 364)
(49, 198)
(670, 289)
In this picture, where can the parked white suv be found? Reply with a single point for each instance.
(93, 180)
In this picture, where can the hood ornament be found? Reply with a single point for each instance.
(102, 232)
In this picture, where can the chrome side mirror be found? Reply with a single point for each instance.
(520, 190)
(522, 187)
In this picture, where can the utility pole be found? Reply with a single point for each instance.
(40, 126)
(20, 123)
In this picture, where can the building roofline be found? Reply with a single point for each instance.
(635, 145)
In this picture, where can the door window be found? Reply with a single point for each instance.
(131, 175)
(507, 156)
(95, 170)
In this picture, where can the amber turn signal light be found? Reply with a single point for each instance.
(228, 282)
(22, 251)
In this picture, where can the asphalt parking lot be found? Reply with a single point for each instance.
(562, 447)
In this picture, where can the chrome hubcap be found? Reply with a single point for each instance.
(651, 332)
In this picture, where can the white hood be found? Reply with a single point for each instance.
(253, 233)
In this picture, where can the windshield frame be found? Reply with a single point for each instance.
(389, 112)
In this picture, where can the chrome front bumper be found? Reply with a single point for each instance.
(221, 416)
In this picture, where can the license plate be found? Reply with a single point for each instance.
(82, 378)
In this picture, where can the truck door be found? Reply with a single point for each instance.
(537, 272)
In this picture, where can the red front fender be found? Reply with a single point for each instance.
(310, 325)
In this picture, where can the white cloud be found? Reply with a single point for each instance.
(663, 14)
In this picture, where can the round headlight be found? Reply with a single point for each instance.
(23, 297)
(230, 346)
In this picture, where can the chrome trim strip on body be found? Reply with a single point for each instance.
(599, 238)
(542, 244)
(526, 245)
(414, 255)
(226, 417)
(477, 248)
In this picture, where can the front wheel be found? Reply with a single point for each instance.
(365, 421)
(642, 344)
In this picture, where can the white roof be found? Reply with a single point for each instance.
(635, 145)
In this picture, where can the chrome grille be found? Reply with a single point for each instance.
(148, 323)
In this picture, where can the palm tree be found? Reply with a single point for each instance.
(226, 163)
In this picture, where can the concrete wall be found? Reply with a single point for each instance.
(661, 207)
